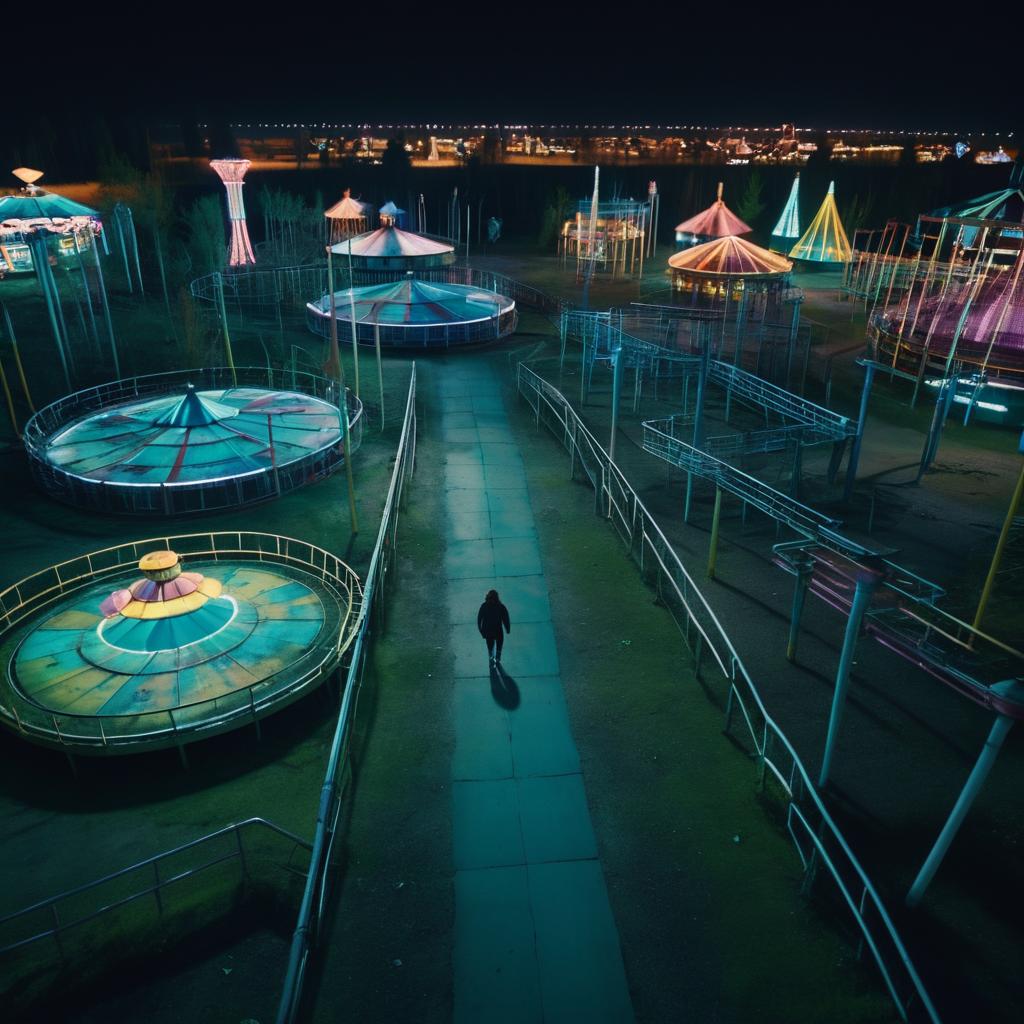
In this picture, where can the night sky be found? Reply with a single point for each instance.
(828, 65)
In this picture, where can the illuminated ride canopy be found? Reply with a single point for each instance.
(186, 450)
(347, 217)
(727, 266)
(392, 248)
(412, 313)
(824, 241)
(69, 223)
(717, 221)
(121, 663)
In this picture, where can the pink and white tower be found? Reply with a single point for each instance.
(232, 172)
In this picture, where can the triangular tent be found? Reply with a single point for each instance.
(824, 241)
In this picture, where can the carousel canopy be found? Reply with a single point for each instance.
(730, 257)
(348, 208)
(391, 242)
(41, 205)
(1006, 204)
(411, 303)
(390, 210)
(198, 436)
(715, 222)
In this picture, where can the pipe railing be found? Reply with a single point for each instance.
(823, 845)
(186, 497)
(311, 913)
(57, 925)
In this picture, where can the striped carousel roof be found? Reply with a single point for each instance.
(730, 257)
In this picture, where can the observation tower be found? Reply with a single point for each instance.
(231, 172)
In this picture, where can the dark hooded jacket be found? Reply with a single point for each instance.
(491, 617)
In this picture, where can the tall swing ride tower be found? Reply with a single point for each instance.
(231, 172)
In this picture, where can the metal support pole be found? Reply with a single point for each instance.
(803, 578)
(997, 557)
(17, 358)
(698, 411)
(794, 484)
(713, 549)
(986, 759)
(106, 307)
(224, 325)
(689, 497)
(10, 402)
(851, 467)
(380, 372)
(861, 598)
(943, 403)
(352, 314)
(39, 257)
(616, 394)
(836, 459)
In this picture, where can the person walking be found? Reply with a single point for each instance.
(490, 620)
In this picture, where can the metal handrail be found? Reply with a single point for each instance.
(52, 902)
(617, 501)
(181, 497)
(40, 590)
(329, 808)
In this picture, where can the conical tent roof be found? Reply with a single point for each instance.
(715, 222)
(390, 241)
(411, 302)
(200, 436)
(348, 208)
(789, 223)
(824, 241)
(730, 257)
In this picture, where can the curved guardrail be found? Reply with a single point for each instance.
(818, 840)
(186, 498)
(109, 734)
(271, 292)
(371, 614)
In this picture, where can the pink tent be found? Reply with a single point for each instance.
(714, 222)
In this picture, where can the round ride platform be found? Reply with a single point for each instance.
(120, 663)
(168, 447)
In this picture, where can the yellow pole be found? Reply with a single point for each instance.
(380, 372)
(10, 401)
(713, 551)
(17, 360)
(997, 558)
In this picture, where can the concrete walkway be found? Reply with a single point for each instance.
(535, 939)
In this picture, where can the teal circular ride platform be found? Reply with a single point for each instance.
(116, 653)
(190, 441)
(413, 313)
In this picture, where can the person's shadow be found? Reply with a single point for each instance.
(504, 689)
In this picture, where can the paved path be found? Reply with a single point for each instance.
(535, 939)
